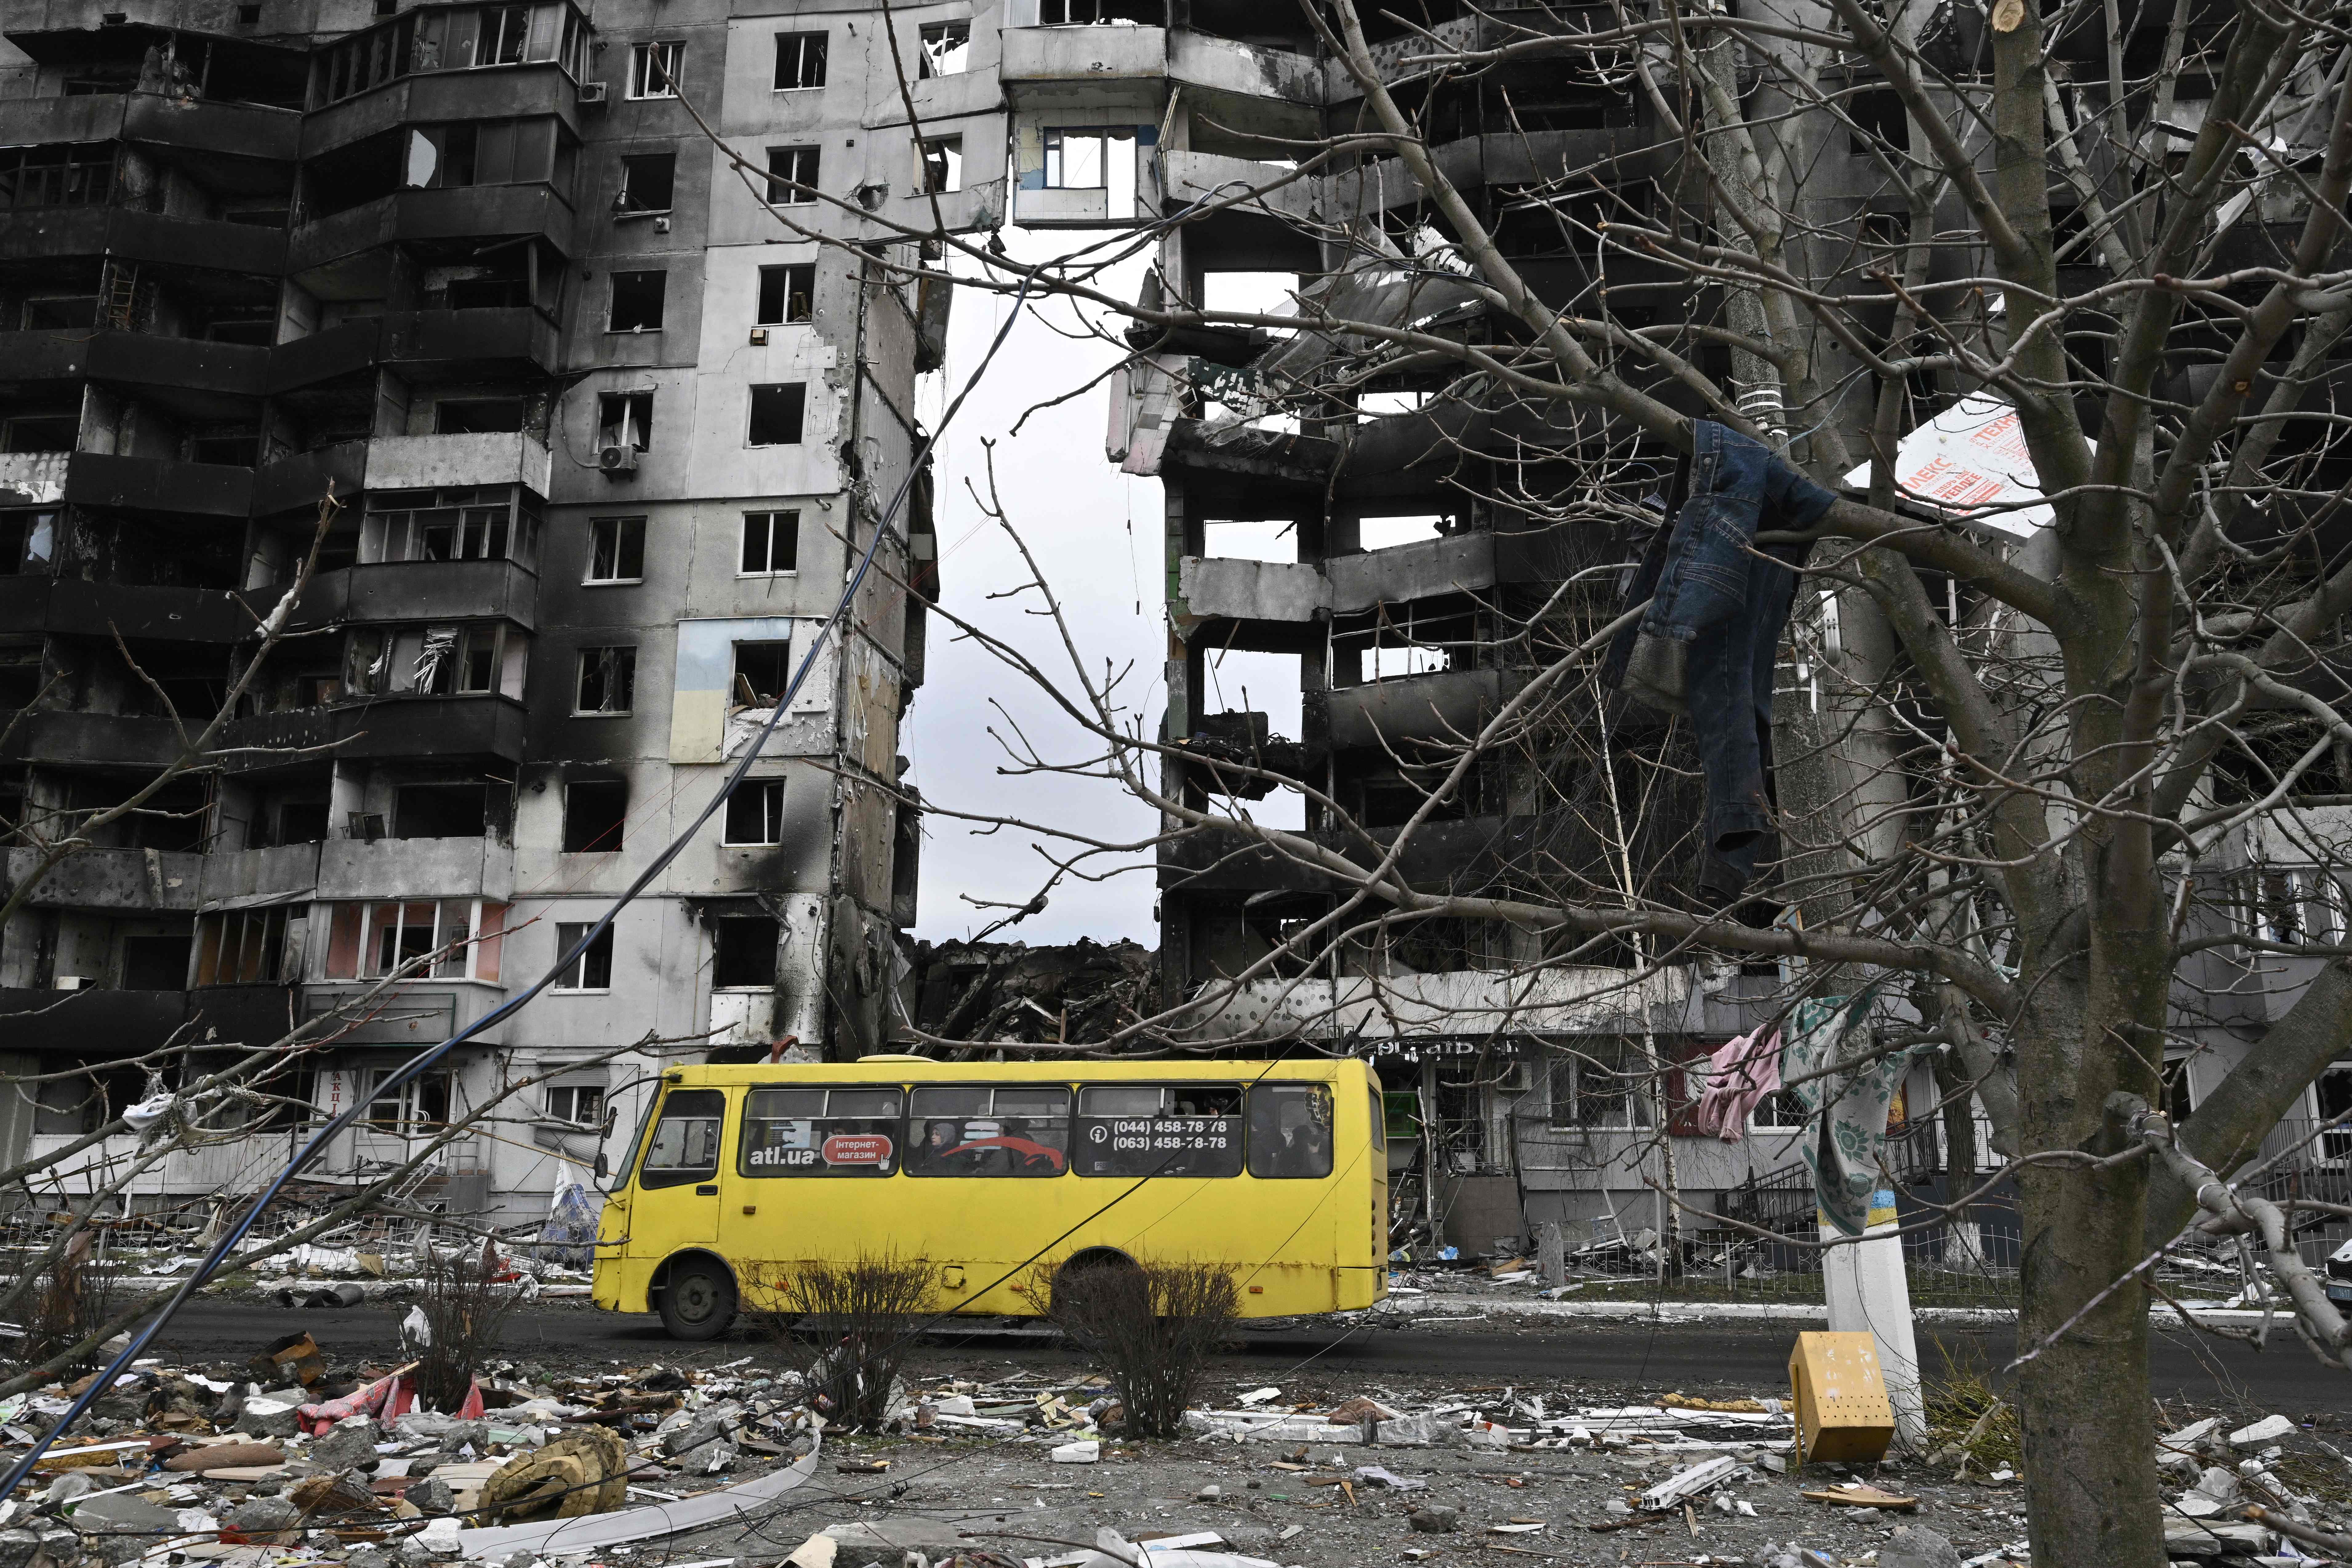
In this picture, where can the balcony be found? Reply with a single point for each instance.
(433, 462)
(137, 359)
(1462, 855)
(1217, 588)
(540, 89)
(159, 880)
(160, 484)
(476, 212)
(244, 131)
(298, 481)
(1436, 707)
(74, 607)
(411, 590)
(37, 232)
(514, 336)
(415, 868)
(106, 1024)
(33, 478)
(92, 739)
(444, 728)
(258, 876)
(1052, 66)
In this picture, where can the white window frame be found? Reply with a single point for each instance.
(579, 965)
(406, 1114)
(771, 791)
(443, 932)
(589, 578)
(772, 515)
(801, 36)
(1635, 1115)
(807, 179)
(567, 1096)
(928, 62)
(580, 673)
(642, 84)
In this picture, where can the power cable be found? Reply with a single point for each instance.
(426, 1060)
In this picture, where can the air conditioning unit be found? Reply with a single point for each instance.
(617, 461)
(591, 92)
(759, 337)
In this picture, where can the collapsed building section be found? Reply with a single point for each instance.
(606, 438)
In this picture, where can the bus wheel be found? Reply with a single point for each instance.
(699, 1301)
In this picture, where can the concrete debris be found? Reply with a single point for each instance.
(1699, 1477)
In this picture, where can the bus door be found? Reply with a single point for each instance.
(677, 1202)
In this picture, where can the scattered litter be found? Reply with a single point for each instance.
(1086, 1451)
(1857, 1494)
(2268, 1429)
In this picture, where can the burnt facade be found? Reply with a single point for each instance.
(607, 438)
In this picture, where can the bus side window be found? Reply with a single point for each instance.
(1156, 1129)
(685, 1144)
(953, 1131)
(819, 1132)
(1379, 1120)
(1290, 1131)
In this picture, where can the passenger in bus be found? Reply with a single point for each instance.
(931, 1155)
(1296, 1146)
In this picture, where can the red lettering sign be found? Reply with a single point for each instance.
(862, 1148)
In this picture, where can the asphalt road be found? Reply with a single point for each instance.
(2202, 1370)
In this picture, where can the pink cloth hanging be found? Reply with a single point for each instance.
(1740, 1075)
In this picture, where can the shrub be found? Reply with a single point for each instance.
(70, 1300)
(466, 1302)
(863, 1313)
(1153, 1326)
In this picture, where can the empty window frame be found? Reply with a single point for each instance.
(946, 50)
(242, 947)
(656, 70)
(608, 681)
(800, 61)
(482, 522)
(941, 167)
(787, 294)
(762, 671)
(414, 1108)
(789, 167)
(366, 941)
(626, 419)
(772, 544)
(477, 415)
(755, 812)
(488, 152)
(1160, 1130)
(743, 954)
(1073, 157)
(1001, 1131)
(63, 175)
(808, 1131)
(1599, 1084)
(647, 182)
(590, 970)
(440, 811)
(637, 300)
(2295, 905)
(28, 539)
(777, 409)
(616, 550)
(595, 815)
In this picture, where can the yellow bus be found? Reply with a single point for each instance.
(1278, 1169)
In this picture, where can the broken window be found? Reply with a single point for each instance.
(26, 539)
(41, 433)
(655, 70)
(787, 294)
(788, 167)
(504, 31)
(1597, 1085)
(800, 60)
(942, 164)
(440, 811)
(416, 1107)
(776, 411)
(755, 812)
(771, 544)
(593, 969)
(60, 313)
(608, 680)
(487, 152)
(66, 175)
(616, 550)
(646, 180)
(477, 415)
(762, 671)
(1074, 158)
(365, 941)
(637, 301)
(946, 50)
(595, 815)
(240, 947)
(626, 419)
(743, 954)
(459, 533)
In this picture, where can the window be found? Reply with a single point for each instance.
(477, 415)
(1779, 1112)
(595, 815)
(637, 301)
(440, 811)
(2332, 1095)
(41, 433)
(58, 176)
(647, 179)
(743, 954)
(800, 60)
(58, 312)
(487, 152)
(787, 294)
(366, 941)
(1008, 1131)
(776, 411)
(616, 550)
(608, 680)
(457, 533)
(755, 812)
(763, 672)
(1160, 1130)
(67, 1106)
(474, 523)
(1074, 158)
(1290, 1131)
(771, 544)
(2295, 905)
(414, 1109)
(942, 165)
(428, 661)
(788, 167)
(684, 1147)
(1597, 1086)
(820, 1131)
(655, 70)
(504, 31)
(591, 970)
(155, 960)
(26, 539)
(581, 1104)
(946, 50)
(626, 419)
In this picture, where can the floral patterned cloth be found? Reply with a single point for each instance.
(1848, 1110)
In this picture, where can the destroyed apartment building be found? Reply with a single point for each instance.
(608, 438)
(1367, 553)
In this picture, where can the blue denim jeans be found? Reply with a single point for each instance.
(1707, 644)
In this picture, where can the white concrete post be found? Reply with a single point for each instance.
(1868, 1293)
